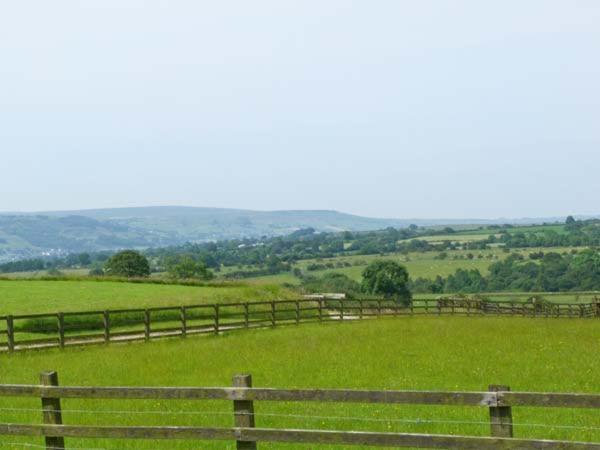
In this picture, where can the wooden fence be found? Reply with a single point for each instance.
(36, 331)
(499, 400)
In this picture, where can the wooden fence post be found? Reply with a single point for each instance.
(273, 313)
(216, 307)
(500, 416)
(10, 333)
(106, 325)
(61, 329)
(246, 315)
(341, 310)
(147, 324)
(379, 307)
(360, 308)
(183, 318)
(243, 411)
(320, 309)
(297, 312)
(51, 413)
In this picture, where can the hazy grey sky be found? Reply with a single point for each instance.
(385, 108)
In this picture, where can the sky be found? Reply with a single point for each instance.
(395, 108)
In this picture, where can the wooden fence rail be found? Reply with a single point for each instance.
(36, 331)
(499, 400)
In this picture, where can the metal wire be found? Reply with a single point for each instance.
(417, 421)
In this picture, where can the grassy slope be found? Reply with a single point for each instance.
(28, 296)
(450, 353)
(423, 264)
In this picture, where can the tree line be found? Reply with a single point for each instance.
(265, 256)
(543, 272)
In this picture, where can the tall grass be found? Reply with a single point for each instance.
(445, 353)
(35, 296)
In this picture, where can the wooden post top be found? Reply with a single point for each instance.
(242, 380)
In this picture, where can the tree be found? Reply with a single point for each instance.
(186, 267)
(387, 278)
(84, 259)
(127, 263)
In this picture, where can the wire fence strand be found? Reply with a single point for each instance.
(415, 421)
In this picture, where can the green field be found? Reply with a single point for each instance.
(447, 353)
(455, 237)
(422, 264)
(419, 264)
(40, 296)
(558, 228)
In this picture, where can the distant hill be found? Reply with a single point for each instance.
(60, 232)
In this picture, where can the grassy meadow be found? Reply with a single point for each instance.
(42, 296)
(422, 353)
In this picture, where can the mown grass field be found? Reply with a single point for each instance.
(446, 353)
(41, 296)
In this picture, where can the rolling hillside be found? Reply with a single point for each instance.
(58, 233)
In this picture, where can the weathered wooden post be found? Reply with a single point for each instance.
(183, 318)
(10, 333)
(379, 307)
(106, 325)
(61, 329)
(297, 312)
(246, 315)
(341, 310)
(360, 308)
(500, 416)
(243, 411)
(51, 412)
(216, 308)
(272, 313)
(147, 324)
(320, 300)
